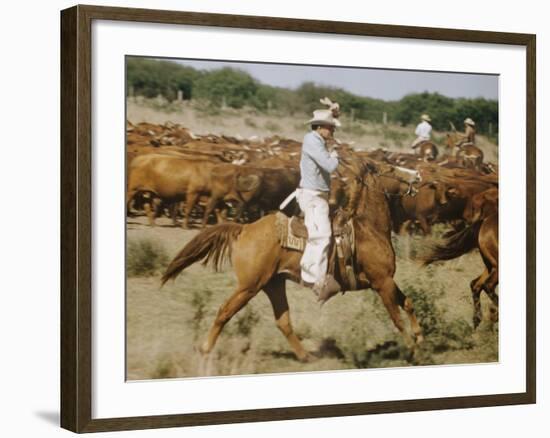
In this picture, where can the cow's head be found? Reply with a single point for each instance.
(440, 192)
(453, 192)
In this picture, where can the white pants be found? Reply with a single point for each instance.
(314, 262)
(419, 140)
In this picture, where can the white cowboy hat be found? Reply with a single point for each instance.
(323, 117)
(425, 117)
(469, 121)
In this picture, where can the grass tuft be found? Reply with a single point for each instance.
(145, 257)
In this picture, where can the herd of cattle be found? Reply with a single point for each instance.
(172, 171)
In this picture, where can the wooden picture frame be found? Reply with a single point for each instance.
(76, 217)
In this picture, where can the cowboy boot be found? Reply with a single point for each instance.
(326, 289)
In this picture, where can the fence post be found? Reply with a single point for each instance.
(385, 118)
(180, 95)
(352, 115)
(490, 129)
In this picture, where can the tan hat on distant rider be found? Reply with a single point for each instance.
(425, 117)
(323, 117)
(469, 121)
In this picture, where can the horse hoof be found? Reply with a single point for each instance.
(203, 350)
(305, 358)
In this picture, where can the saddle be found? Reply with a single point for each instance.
(292, 234)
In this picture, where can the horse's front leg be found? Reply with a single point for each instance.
(393, 298)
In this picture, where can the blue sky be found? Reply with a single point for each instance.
(376, 83)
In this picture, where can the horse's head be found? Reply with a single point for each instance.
(451, 140)
(404, 178)
(408, 176)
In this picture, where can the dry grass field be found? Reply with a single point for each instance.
(165, 326)
(247, 123)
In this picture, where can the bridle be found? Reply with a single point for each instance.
(411, 190)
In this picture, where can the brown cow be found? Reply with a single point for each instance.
(421, 206)
(264, 187)
(247, 186)
(460, 193)
(169, 178)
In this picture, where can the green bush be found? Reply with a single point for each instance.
(445, 110)
(151, 77)
(235, 88)
(227, 86)
(396, 137)
(246, 321)
(145, 257)
(200, 303)
(272, 126)
(356, 129)
(250, 122)
(440, 335)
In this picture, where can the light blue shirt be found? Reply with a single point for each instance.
(316, 164)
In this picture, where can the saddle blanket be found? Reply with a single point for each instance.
(292, 234)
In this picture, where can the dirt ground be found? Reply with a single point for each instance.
(165, 326)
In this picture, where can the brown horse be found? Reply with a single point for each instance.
(260, 263)
(428, 150)
(468, 154)
(481, 234)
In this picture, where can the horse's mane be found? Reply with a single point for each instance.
(359, 169)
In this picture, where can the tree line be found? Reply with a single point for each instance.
(237, 89)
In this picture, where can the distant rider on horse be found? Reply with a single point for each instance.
(469, 136)
(423, 131)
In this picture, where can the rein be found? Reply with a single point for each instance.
(411, 190)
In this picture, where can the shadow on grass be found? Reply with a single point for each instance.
(327, 349)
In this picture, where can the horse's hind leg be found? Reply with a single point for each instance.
(476, 286)
(235, 303)
(276, 292)
(489, 288)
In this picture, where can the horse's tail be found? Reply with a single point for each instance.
(455, 245)
(213, 245)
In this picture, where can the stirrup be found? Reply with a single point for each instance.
(328, 289)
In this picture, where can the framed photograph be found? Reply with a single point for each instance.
(269, 218)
